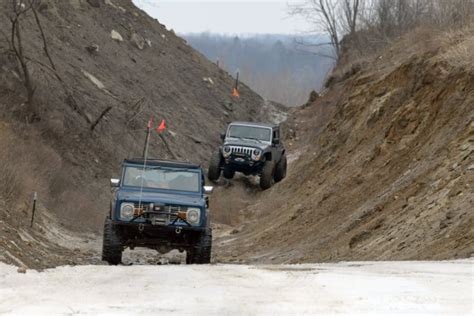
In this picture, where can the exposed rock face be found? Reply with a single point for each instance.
(93, 49)
(116, 36)
(138, 41)
(94, 3)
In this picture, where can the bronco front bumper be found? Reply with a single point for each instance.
(146, 234)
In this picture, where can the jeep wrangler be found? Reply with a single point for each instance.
(252, 149)
(162, 205)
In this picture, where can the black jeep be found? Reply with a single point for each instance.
(253, 149)
(160, 205)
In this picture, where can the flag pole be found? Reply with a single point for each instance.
(145, 156)
(235, 89)
(147, 140)
(237, 80)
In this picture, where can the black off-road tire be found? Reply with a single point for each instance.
(214, 171)
(267, 175)
(228, 174)
(201, 252)
(112, 246)
(280, 169)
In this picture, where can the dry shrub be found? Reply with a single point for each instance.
(346, 70)
(22, 167)
(11, 164)
(460, 48)
(9, 182)
(28, 165)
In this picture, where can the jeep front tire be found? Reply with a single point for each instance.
(280, 169)
(214, 171)
(111, 246)
(267, 175)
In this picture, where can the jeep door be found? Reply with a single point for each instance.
(277, 146)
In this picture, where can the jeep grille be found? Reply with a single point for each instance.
(241, 150)
(171, 212)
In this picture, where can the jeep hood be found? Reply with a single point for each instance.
(246, 143)
(158, 197)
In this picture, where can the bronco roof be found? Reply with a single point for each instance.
(255, 124)
(162, 162)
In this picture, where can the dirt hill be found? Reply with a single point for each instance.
(390, 176)
(103, 68)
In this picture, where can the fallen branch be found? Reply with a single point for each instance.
(101, 116)
(138, 106)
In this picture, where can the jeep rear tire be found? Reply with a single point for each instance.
(267, 175)
(111, 246)
(214, 171)
(201, 252)
(280, 169)
(228, 174)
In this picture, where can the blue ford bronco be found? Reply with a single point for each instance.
(162, 205)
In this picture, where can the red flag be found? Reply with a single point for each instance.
(150, 123)
(162, 127)
(235, 93)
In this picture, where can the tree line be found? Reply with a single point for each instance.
(275, 66)
(370, 24)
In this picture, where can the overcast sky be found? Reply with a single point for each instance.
(225, 16)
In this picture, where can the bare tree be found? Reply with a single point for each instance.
(18, 11)
(453, 13)
(350, 10)
(336, 18)
(380, 21)
(324, 15)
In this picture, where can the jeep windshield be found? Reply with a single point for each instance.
(162, 178)
(249, 132)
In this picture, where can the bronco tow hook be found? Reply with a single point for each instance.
(178, 230)
(141, 227)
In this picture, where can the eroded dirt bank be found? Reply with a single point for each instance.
(391, 175)
(381, 166)
(104, 69)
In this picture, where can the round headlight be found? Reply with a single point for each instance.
(226, 151)
(256, 154)
(126, 210)
(192, 215)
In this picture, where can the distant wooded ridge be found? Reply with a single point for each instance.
(282, 68)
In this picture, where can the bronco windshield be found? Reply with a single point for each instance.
(162, 178)
(250, 132)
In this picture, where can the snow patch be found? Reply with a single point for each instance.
(382, 288)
